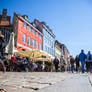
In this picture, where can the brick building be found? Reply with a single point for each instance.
(6, 27)
(4, 19)
(65, 54)
(27, 37)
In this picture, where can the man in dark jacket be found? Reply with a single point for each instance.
(82, 58)
(56, 62)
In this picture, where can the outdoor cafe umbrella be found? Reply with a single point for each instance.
(33, 54)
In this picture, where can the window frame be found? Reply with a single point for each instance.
(30, 28)
(33, 43)
(37, 34)
(34, 32)
(25, 25)
(24, 38)
(37, 45)
(29, 41)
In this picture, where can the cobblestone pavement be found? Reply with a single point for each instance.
(76, 83)
(30, 81)
(45, 82)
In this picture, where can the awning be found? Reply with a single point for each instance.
(33, 54)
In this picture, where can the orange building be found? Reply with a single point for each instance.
(27, 37)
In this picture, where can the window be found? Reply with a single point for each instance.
(33, 43)
(46, 48)
(40, 36)
(29, 41)
(29, 29)
(40, 46)
(33, 31)
(52, 45)
(24, 38)
(37, 45)
(25, 25)
(37, 34)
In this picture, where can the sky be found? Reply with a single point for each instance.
(70, 20)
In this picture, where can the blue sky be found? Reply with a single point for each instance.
(70, 20)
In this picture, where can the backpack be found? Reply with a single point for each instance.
(89, 58)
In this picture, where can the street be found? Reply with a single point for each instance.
(45, 82)
(76, 83)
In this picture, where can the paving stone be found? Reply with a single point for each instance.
(76, 83)
(20, 81)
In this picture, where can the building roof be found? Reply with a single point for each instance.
(65, 47)
(48, 29)
(59, 44)
(38, 25)
(25, 20)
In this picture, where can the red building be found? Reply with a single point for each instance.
(27, 37)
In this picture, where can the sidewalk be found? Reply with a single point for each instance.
(76, 83)
(31, 81)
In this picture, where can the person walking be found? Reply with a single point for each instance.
(72, 61)
(62, 64)
(77, 60)
(82, 57)
(3, 65)
(56, 62)
(88, 61)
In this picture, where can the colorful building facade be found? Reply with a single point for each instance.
(48, 40)
(27, 37)
(58, 50)
(65, 54)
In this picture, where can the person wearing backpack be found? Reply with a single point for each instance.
(82, 57)
(88, 61)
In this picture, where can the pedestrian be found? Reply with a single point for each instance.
(2, 63)
(82, 57)
(62, 64)
(77, 61)
(56, 63)
(72, 61)
(25, 65)
(14, 60)
(43, 66)
(88, 61)
(35, 66)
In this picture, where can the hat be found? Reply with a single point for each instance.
(1, 35)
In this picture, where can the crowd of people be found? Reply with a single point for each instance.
(19, 64)
(82, 62)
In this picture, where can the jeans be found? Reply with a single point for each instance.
(72, 67)
(56, 68)
(82, 65)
